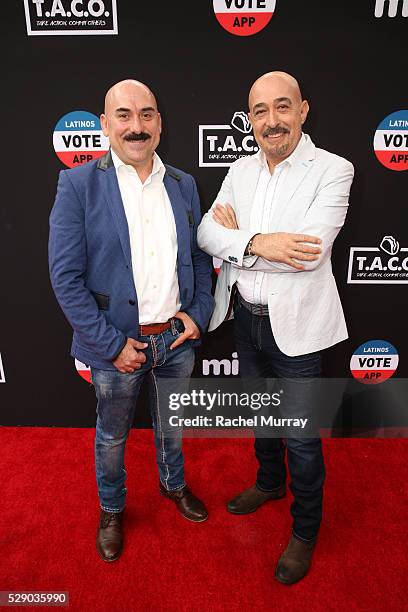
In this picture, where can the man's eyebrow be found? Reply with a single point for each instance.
(122, 109)
(288, 100)
(276, 101)
(259, 105)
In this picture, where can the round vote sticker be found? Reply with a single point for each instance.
(83, 370)
(391, 141)
(217, 264)
(374, 361)
(78, 138)
(244, 17)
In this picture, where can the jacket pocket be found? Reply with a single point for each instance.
(102, 300)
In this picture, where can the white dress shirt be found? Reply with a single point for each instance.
(251, 285)
(153, 241)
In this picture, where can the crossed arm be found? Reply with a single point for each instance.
(280, 247)
(309, 247)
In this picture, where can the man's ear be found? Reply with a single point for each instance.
(104, 125)
(304, 109)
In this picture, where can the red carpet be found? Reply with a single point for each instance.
(49, 517)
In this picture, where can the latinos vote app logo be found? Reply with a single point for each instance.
(374, 361)
(244, 17)
(78, 138)
(83, 370)
(391, 141)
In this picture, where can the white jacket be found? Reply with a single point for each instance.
(304, 306)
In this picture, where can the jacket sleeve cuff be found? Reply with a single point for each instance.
(119, 352)
(195, 322)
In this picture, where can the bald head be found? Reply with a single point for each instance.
(128, 87)
(133, 124)
(274, 80)
(277, 113)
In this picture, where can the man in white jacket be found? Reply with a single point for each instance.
(273, 224)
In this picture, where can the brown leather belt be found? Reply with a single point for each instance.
(153, 328)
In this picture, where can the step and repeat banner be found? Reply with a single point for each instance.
(200, 58)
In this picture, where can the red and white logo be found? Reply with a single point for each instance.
(78, 138)
(374, 361)
(217, 262)
(391, 141)
(244, 17)
(83, 370)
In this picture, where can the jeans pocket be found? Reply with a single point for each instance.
(179, 326)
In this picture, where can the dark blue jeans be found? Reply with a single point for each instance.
(117, 395)
(260, 357)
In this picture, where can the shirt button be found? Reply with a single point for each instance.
(132, 302)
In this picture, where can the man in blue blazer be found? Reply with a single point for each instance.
(136, 289)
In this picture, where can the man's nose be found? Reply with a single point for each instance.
(136, 124)
(273, 118)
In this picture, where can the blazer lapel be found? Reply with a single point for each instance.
(245, 193)
(293, 180)
(179, 206)
(114, 200)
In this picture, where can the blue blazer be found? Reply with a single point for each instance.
(90, 259)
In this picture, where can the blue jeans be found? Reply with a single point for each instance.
(260, 357)
(117, 394)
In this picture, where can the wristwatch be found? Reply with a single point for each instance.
(248, 249)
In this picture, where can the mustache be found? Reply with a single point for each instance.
(274, 131)
(133, 137)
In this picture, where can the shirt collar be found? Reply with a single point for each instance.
(291, 160)
(158, 166)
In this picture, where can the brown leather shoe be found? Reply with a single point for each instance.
(251, 499)
(109, 540)
(187, 503)
(295, 561)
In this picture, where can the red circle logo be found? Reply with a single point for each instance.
(78, 138)
(83, 370)
(391, 141)
(244, 17)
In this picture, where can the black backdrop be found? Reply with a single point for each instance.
(352, 69)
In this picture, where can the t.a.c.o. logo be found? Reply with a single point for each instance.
(374, 361)
(391, 141)
(244, 17)
(78, 138)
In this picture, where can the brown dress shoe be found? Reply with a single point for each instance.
(109, 540)
(187, 503)
(249, 500)
(295, 561)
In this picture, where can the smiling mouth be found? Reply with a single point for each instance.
(136, 143)
(275, 136)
